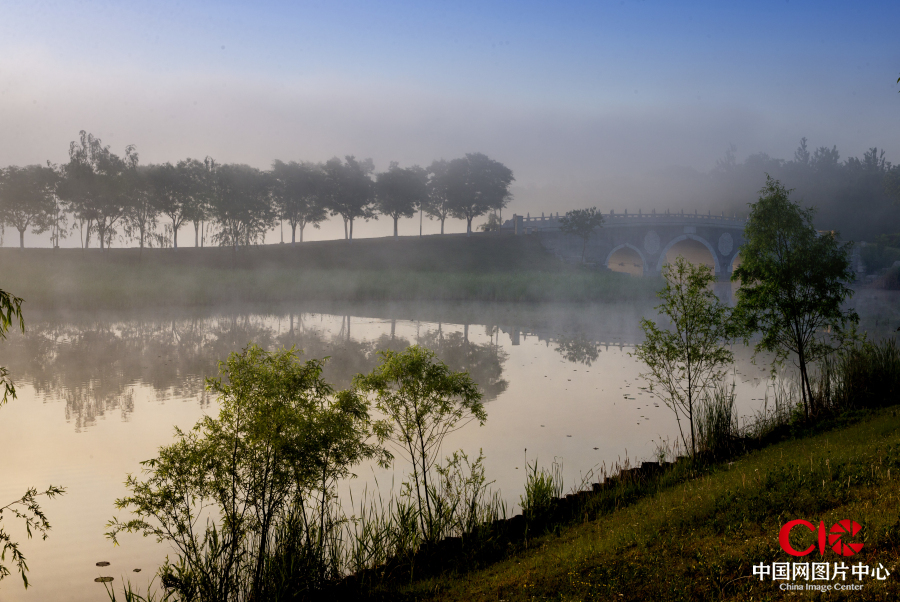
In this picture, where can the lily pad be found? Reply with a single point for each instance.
(103, 579)
(102, 563)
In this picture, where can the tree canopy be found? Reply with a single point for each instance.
(351, 192)
(300, 194)
(581, 223)
(794, 281)
(399, 191)
(476, 184)
(117, 199)
(241, 204)
(27, 198)
(94, 185)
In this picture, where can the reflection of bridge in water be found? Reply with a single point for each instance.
(601, 340)
(648, 235)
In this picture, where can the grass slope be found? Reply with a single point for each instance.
(434, 268)
(699, 540)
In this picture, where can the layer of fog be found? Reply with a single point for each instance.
(621, 155)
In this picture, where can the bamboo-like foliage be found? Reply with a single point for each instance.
(25, 508)
(691, 354)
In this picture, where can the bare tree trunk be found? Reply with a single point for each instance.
(196, 234)
(395, 227)
(801, 360)
(294, 234)
(442, 224)
(351, 230)
(346, 237)
(174, 234)
(22, 239)
(693, 434)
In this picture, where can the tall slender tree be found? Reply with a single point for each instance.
(202, 183)
(141, 212)
(299, 193)
(94, 186)
(399, 191)
(688, 354)
(794, 281)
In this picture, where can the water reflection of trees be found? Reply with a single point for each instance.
(95, 366)
(578, 349)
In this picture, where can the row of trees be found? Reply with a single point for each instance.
(860, 196)
(100, 193)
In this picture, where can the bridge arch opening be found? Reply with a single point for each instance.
(626, 259)
(693, 248)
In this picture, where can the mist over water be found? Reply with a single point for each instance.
(100, 392)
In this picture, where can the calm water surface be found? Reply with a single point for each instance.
(100, 393)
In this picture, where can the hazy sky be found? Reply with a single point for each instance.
(568, 95)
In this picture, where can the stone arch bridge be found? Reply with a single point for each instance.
(650, 235)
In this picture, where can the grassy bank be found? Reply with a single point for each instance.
(695, 530)
(452, 268)
(698, 540)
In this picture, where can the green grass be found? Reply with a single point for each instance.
(698, 539)
(452, 268)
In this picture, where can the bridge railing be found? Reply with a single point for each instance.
(528, 223)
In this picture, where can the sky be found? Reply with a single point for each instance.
(582, 100)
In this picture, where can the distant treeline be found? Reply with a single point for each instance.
(98, 193)
(858, 197)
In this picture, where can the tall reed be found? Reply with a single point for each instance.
(718, 433)
(864, 375)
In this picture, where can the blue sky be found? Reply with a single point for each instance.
(568, 94)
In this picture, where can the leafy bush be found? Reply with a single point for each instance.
(247, 498)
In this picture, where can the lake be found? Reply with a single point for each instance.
(98, 393)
